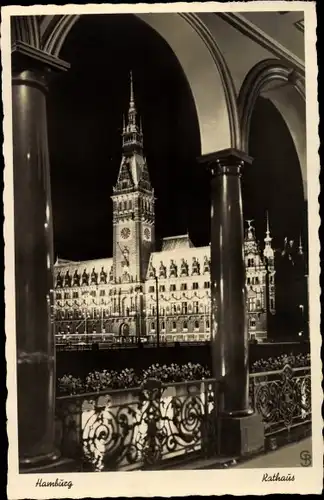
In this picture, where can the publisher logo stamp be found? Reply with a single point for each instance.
(305, 458)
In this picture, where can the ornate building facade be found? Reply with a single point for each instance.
(142, 292)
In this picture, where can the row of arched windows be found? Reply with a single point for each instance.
(183, 326)
(128, 205)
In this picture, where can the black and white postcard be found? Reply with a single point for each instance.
(161, 249)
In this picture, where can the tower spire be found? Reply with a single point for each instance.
(268, 250)
(131, 100)
(132, 132)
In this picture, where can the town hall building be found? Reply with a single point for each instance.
(142, 291)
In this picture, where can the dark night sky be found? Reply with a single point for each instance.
(85, 116)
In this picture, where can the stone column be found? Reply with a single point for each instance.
(33, 256)
(229, 332)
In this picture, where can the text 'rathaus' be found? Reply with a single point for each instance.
(127, 294)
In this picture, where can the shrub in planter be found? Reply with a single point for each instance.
(278, 362)
(69, 385)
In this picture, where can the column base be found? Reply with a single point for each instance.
(25, 464)
(63, 465)
(241, 435)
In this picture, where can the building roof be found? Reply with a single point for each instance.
(176, 242)
(64, 265)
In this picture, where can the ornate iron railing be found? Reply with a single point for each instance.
(282, 398)
(139, 428)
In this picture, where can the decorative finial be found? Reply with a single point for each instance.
(124, 126)
(249, 222)
(300, 248)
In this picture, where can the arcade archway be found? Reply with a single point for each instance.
(204, 66)
(285, 88)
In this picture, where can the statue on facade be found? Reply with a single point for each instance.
(76, 278)
(195, 266)
(59, 280)
(85, 278)
(93, 277)
(162, 270)
(67, 279)
(151, 270)
(206, 264)
(183, 268)
(173, 269)
(111, 273)
(103, 276)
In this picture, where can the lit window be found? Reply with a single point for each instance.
(252, 304)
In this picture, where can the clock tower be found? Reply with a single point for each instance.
(133, 205)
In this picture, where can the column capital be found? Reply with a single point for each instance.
(227, 161)
(27, 60)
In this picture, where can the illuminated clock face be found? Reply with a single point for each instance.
(125, 233)
(147, 233)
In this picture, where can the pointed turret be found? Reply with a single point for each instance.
(268, 252)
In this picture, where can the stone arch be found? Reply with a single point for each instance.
(285, 87)
(124, 330)
(204, 67)
(25, 29)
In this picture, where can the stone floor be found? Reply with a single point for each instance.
(286, 456)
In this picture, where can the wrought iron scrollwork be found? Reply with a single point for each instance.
(283, 398)
(123, 430)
